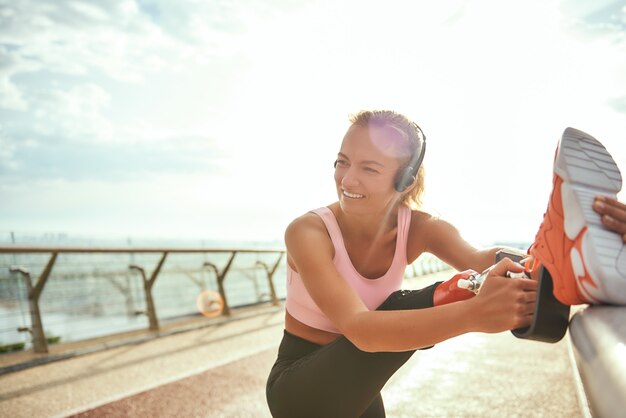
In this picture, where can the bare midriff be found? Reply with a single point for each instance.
(314, 335)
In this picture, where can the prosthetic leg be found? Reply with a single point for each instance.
(551, 316)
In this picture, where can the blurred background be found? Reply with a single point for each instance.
(219, 121)
(205, 124)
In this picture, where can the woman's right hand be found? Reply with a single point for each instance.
(504, 303)
(613, 214)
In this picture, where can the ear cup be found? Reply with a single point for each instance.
(404, 179)
(407, 175)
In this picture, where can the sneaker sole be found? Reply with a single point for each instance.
(588, 170)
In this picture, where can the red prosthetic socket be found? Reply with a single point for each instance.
(449, 291)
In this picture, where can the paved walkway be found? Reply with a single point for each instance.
(220, 371)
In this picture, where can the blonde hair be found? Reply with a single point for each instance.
(413, 196)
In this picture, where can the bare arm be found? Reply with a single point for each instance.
(444, 241)
(310, 250)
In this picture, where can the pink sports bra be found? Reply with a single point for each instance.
(373, 292)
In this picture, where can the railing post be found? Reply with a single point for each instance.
(220, 276)
(40, 345)
(147, 286)
(270, 277)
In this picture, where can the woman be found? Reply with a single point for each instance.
(347, 327)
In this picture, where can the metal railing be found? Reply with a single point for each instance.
(77, 289)
(35, 285)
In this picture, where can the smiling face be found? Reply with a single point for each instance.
(366, 168)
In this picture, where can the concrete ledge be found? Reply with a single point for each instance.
(598, 335)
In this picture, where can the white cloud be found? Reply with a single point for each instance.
(260, 93)
(7, 151)
(11, 97)
(73, 114)
(116, 39)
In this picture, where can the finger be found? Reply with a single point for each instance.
(525, 321)
(530, 297)
(529, 309)
(609, 201)
(526, 285)
(611, 207)
(504, 265)
(614, 224)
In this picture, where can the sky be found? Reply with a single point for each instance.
(220, 120)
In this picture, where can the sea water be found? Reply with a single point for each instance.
(92, 295)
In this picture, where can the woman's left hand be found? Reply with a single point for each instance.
(613, 214)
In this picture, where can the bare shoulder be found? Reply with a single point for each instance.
(445, 241)
(305, 226)
(440, 233)
(306, 236)
(419, 218)
(430, 233)
(417, 238)
(435, 225)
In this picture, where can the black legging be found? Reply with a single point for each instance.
(337, 380)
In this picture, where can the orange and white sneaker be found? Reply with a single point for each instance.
(587, 262)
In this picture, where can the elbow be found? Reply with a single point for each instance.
(361, 342)
(357, 333)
